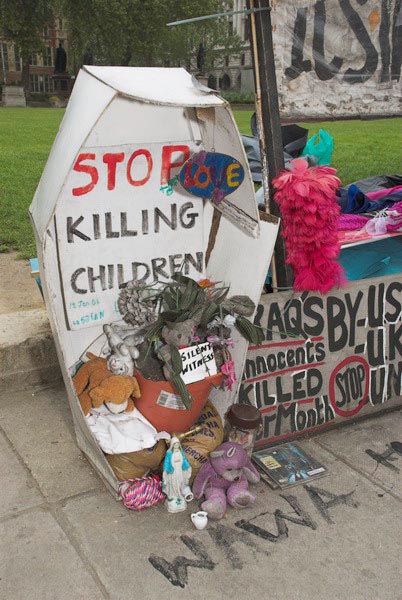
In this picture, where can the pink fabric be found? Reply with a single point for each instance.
(397, 207)
(142, 492)
(228, 369)
(395, 220)
(306, 197)
(387, 220)
(351, 222)
(383, 192)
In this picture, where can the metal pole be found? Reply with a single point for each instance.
(3, 65)
(269, 125)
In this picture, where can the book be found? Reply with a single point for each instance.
(287, 465)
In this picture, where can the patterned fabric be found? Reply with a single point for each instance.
(141, 493)
(351, 222)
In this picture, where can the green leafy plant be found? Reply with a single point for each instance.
(183, 299)
(184, 304)
(176, 367)
(235, 97)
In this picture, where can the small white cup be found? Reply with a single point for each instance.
(200, 519)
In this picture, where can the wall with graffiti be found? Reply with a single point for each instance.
(325, 359)
(338, 57)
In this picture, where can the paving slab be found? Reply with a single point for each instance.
(366, 445)
(38, 562)
(18, 490)
(335, 539)
(39, 426)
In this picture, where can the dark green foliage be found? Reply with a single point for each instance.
(209, 313)
(177, 363)
(235, 97)
(242, 305)
(154, 331)
(249, 331)
(22, 22)
(134, 32)
(182, 390)
(184, 299)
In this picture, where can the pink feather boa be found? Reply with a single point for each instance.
(306, 198)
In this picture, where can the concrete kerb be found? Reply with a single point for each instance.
(27, 351)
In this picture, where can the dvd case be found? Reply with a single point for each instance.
(287, 465)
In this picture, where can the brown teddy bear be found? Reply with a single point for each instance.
(96, 385)
(137, 464)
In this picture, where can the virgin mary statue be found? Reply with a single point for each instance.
(176, 477)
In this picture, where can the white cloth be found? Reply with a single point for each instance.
(126, 432)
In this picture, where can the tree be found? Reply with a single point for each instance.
(22, 22)
(134, 32)
(182, 41)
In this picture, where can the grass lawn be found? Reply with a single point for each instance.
(362, 148)
(26, 136)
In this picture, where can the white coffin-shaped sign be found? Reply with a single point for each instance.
(109, 208)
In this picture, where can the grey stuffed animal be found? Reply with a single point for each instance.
(178, 335)
(122, 355)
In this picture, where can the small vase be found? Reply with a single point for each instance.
(200, 519)
(153, 403)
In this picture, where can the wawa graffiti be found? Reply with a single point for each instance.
(325, 358)
(253, 533)
(388, 457)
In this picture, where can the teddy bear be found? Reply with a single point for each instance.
(137, 464)
(224, 477)
(116, 393)
(96, 385)
(178, 335)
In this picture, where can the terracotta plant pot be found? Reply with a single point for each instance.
(170, 419)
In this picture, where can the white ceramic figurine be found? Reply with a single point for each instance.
(176, 477)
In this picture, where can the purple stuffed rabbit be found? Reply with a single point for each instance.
(225, 476)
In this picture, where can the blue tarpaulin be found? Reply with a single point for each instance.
(376, 259)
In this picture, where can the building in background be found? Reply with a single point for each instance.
(332, 59)
(235, 73)
(41, 68)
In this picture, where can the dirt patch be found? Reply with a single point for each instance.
(18, 289)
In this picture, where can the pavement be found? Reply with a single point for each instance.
(63, 536)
